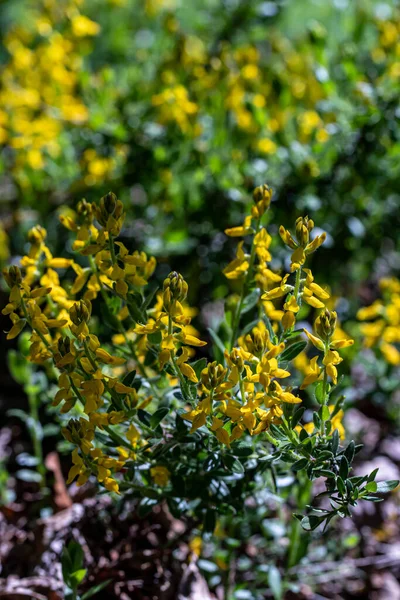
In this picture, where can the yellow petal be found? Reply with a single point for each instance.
(16, 329)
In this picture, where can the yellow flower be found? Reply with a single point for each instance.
(82, 26)
(241, 231)
(237, 269)
(301, 245)
(312, 373)
(160, 475)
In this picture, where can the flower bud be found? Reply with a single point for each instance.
(255, 342)
(64, 345)
(110, 213)
(175, 289)
(236, 359)
(12, 275)
(80, 312)
(85, 209)
(262, 197)
(213, 375)
(325, 324)
(37, 235)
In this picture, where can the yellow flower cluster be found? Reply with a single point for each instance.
(174, 105)
(61, 329)
(382, 329)
(39, 87)
(245, 392)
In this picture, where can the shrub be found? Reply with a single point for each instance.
(148, 420)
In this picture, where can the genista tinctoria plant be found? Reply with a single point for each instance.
(146, 418)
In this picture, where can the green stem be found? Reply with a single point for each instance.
(297, 284)
(236, 319)
(112, 249)
(241, 385)
(271, 439)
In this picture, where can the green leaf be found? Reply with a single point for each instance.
(155, 338)
(349, 452)
(319, 393)
(372, 486)
(233, 465)
(75, 551)
(158, 416)
(198, 366)
(300, 464)
(250, 301)
(326, 473)
(275, 582)
(316, 420)
(129, 378)
(66, 565)
(325, 414)
(335, 441)
(340, 486)
(77, 577)
(299, 412)
(383, 487)
(144, 416)
(242, 449)
(135, 310)
(292, 351)
(311, 522)
(147, 301)
(344, 468)
(218, 344)
(372, 475)
(94, 590)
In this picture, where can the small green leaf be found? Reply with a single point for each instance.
(158, 416)
(250, 301)
(198, 366)
(335, 441)
(299, 412)
(319, 393)
(77, 577)
(155, 338)
(349, 452)
(316, 420)
(372, 475)
(325, 414)
(300, 464)
(311, 522)
(344, 468)
(383, 487)
(217, 343)
(129, 378)
(94, 590)
(372, 486)
(340, 486)
(292, 351)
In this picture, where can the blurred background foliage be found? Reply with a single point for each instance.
(181, 108)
